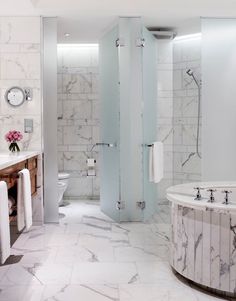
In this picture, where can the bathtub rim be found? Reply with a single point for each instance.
(182, 194)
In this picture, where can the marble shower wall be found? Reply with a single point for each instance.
(78, 117)
(165, 111)
(79, 109)
(186, 164)
(20, 66)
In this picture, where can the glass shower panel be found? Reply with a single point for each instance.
(149, 118)
(218, 99)
(109, 70)
(130, 62)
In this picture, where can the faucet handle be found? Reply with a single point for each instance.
(212, 198)
(198, 196)
(227, 192)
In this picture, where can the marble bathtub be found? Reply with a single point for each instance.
(203, 240)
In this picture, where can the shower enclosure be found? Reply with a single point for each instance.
(128, 120)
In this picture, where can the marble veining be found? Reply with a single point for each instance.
(88, 256)
(203, 241)
(20, 66)
(186, 164)
(78, 118)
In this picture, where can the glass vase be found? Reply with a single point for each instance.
(13, 147)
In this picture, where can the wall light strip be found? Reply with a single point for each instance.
(77, 45)
(188, 37)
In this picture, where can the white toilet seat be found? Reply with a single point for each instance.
(63, 175)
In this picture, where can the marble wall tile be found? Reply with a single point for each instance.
(78, 117)
(165, 111)
(16, 30)
(20, 65)
(80, 109)
(186, 55)
(20, 59)
(77, 83)
(79, 187)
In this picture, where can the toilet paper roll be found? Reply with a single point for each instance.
(91, 162)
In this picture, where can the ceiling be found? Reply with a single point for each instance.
(87, 20)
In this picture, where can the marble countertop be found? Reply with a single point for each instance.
(7, 159)
(184, 195)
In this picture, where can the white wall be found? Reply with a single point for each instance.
(165, 111)
(219, 99)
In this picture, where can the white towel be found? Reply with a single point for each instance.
(5, 248)
(20, 205)
(156, 164)
(24, 201)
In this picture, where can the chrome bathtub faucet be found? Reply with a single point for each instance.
(211, 198)
(198, 195)
(226, 201)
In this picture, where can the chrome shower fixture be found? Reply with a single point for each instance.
(189, 72)
(198, 83)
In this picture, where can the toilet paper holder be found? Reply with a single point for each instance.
(91, 167)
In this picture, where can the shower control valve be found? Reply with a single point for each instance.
(226, 201)
(211, 198)
(198, 195)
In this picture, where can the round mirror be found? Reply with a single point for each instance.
(15, 96)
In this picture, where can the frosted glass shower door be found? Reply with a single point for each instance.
(149, 118)
(109, 70)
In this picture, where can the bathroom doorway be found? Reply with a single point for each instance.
(78, 120)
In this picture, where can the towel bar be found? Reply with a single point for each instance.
(9, 176)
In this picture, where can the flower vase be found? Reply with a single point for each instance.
(13, 147)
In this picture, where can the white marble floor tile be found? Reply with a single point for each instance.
(89, 257)
(163, 291)
(128, 227)
(135, 254)
(103, 273)
(19, 274)
(100, 231)
(35, 256)
(153, 272)
(21, 293)
(119, 239)
(89, 249)
(142, 239)
(53, 273)
(83, 292)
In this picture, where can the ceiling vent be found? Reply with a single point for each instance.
(163, 33)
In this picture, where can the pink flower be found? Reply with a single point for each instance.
(13, 136)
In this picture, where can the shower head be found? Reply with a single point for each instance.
(189, 72)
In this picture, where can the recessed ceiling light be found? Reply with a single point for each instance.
(188, 37)
(66, 35)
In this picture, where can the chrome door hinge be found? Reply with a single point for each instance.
(120, 42)
(141, 205)
(140, 42)
(120, 205)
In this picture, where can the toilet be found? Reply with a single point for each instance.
(63, 180)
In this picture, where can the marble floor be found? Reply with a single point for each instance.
(88, 257)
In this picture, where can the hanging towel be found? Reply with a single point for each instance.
(5, 247)
(20, 205)
(24, 201)
(156, 163)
